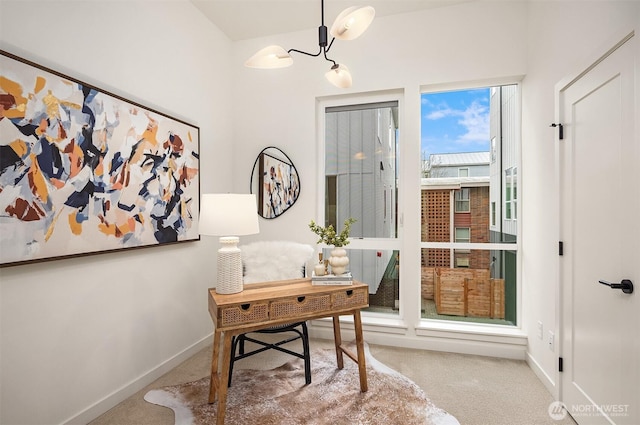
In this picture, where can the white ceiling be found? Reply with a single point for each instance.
(245, 19)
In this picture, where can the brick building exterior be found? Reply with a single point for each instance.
(438, 226)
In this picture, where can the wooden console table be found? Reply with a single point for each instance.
(261, 305)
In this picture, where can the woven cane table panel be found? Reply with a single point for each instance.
(350, 298)
(245, 314)
(296, 306)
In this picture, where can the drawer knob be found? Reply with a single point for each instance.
(349, 292)
(301, 299)
(245, 307)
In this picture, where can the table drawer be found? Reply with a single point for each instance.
(358, 297)
(295, 306)
(245, 313)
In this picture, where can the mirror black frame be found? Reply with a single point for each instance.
(281, 180)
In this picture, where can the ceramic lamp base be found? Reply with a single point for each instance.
(229, 266)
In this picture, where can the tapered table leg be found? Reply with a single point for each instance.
(215, 378)
(337, 338)
(223, 378)
(362, 367)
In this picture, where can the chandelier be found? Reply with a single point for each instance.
(349, 25)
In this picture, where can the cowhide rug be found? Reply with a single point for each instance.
(279, 397)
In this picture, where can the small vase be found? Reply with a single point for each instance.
(338, 260)
(318, 269)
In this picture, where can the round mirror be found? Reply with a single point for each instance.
(275, 180)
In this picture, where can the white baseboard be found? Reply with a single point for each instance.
(127, 390)
(546, 380)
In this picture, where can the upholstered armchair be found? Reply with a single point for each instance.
(266, 261)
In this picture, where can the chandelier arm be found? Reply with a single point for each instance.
(330, 44)
(305, 53)
(328, 59)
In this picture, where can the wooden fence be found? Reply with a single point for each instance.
(464, 292)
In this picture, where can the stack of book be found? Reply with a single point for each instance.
(331, 279)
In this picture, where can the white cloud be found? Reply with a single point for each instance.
(442, 113)
(474, 121)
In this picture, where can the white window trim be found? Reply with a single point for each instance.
(409, 329)
(466, 200)
(428, 325)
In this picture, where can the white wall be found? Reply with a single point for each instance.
(562, 35)
(75, 332)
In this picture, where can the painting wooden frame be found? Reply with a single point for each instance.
(84, 171)
(279, 186)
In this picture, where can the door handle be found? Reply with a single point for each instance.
(626, 285)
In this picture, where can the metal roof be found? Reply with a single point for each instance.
(462, 158)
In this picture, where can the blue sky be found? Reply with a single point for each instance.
(456, 121)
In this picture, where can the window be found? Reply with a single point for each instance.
(461, 219)
(361, 175)
(462, 200)
(507, 194)
(514, 192)
(511, 194)
(469, 194)
(462, 262)
(463, 234)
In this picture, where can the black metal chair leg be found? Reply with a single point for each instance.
(241, 338)
(307, 355)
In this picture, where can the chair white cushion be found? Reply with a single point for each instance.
(265, 261)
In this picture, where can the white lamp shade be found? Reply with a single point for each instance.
(227, 214)
(339, 76)
(270, 57)
(352, 22)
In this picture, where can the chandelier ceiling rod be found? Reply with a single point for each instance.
(322, 39)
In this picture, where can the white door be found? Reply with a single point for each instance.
(600, 228)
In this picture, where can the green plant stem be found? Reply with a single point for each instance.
(328, 235)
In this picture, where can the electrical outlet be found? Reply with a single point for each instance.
(551, 341)
(539, 330)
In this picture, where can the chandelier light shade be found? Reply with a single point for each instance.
(339, 76)
(352, 22)
(270, 57)
(349, 25)
(229, 216)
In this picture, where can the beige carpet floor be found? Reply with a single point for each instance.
(476, 390)
(279, 396)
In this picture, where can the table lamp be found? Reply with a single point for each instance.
(229, 216)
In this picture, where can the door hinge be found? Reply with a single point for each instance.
(560, 248)
(560, 365)
(560, 130)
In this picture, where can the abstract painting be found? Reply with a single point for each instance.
(84, 171)
(280, 186)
